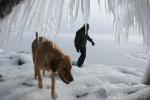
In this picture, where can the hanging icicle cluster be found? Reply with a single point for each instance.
(73, 7)
(130, 14)
(40, 15)
(45, 16)
(32, 15)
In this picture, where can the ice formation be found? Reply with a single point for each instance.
(38, 15)
(31, 16)
(45, 16)
(130, 14)
(73, 7)
(85, 7)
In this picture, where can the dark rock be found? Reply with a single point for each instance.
(82, 95)
(27, 84)
(101, 93)
(1, 78)
(20, 62)
(6, 7)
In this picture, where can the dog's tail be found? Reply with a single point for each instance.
(36, 34)
(37, 37)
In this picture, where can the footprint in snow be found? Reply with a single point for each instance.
(82, 95)
(1, 78)
(27, 84)
(101, 93)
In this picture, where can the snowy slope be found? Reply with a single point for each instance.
(92, 82)
(115, 74)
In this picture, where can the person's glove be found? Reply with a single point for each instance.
(93, 43)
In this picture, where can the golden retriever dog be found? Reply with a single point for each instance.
(47, 56)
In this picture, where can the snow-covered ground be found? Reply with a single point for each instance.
(111, 72)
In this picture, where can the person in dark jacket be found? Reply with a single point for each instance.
(80, 43)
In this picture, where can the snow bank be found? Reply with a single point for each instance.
(91, 82)
(140, 95)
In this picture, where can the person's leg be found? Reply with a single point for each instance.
(82, 56)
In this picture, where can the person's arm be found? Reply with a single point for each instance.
(90, 39)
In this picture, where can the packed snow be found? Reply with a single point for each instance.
(94, 81)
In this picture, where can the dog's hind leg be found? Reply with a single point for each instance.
(40, 83)
(35, 72)
(53, 93)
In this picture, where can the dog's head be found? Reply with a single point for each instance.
(63, 66)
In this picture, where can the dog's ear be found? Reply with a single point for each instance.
(54, 64)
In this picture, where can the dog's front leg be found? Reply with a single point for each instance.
(40, 83)
(35, 72)
(53, 94)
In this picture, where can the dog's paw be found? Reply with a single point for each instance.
(54, 97)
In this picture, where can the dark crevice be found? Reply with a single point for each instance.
(81, 95)
(6, 7)
(27, 84)
(20, 62)
(1, 78)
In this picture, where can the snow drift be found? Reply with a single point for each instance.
(92, 82)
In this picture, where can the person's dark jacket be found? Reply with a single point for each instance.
(81, 39)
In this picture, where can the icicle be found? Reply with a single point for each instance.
(76, 9)
(45, 18)
(99, 4)
(85, 7)
(22, 21)
(73, 7)
(56, 15)
(71, 4)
